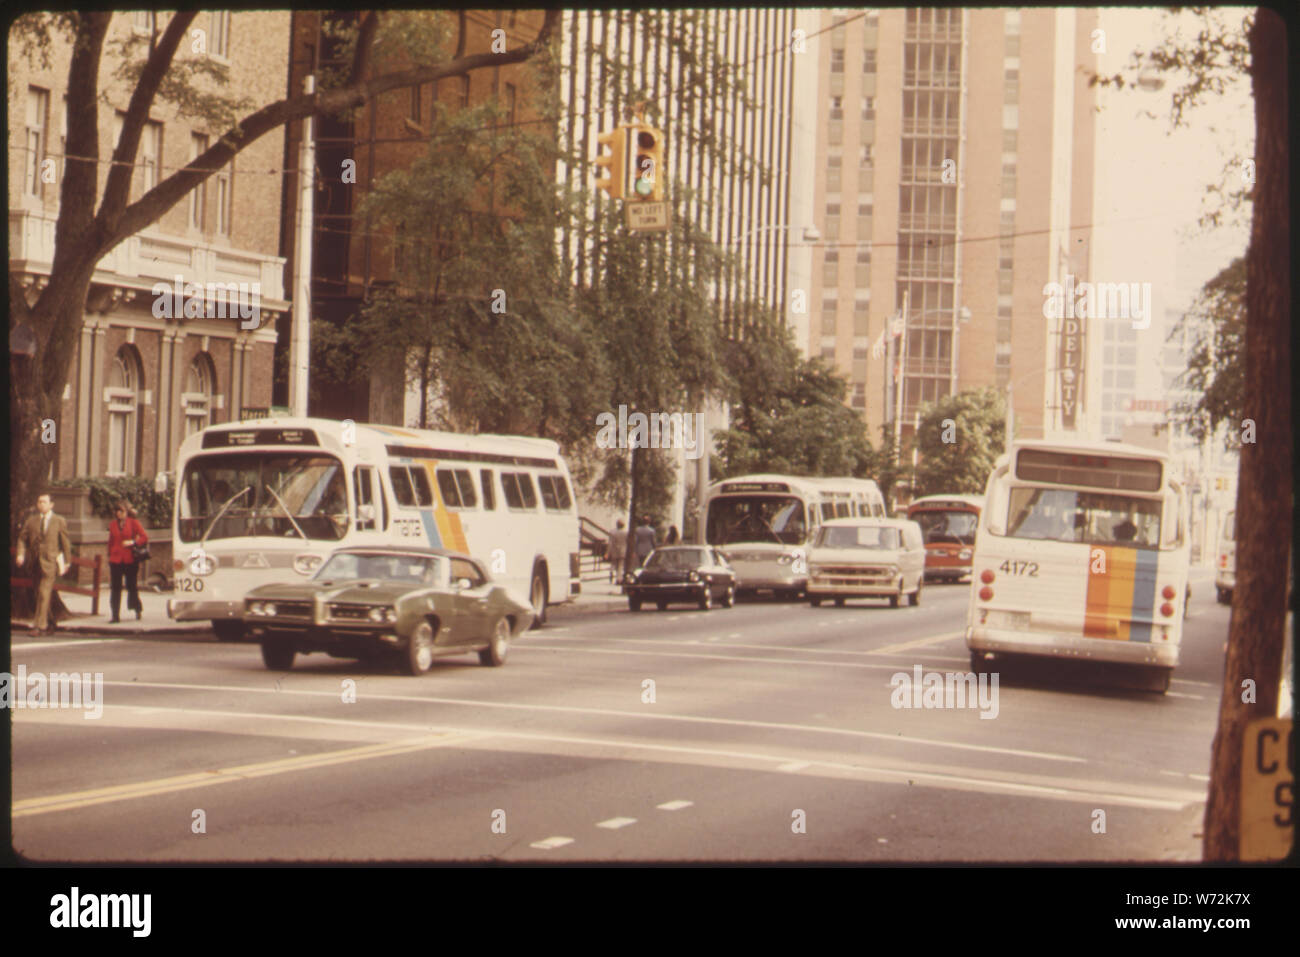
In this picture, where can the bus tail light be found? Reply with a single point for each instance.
(178, 565)
(986, 593)
(986, 576)
(1167, 609)
(1168, 593)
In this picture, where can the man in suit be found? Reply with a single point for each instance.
(44, 543)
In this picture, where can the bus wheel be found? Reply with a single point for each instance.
(979, 665)
(1225, 598)
(815, 602)
(1157, 678)
(634, 604)
(494, 655)
(663, 605)
(277, 655)
(914, 599)
(839, 602)
(227, 630)
(537, 594)
(893, 599)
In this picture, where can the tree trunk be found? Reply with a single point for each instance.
(1255, 634)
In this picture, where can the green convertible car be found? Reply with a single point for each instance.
(413, 604)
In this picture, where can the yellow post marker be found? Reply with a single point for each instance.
(1267, 790)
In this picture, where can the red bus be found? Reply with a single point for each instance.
(948, 524)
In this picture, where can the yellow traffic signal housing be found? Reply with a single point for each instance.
(614, 162)
(647, 173)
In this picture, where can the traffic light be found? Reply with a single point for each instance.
(614, 163)
(648, 169)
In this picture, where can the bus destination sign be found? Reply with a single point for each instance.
(236, 438)
(729, 488)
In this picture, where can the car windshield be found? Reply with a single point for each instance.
(946, 526)
(775, 519)
(857, 536)
(1094, 518)
(677, 558)
(409, 569)
(288, 496)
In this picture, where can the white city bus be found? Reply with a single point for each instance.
(765, 523)
(268, 499)
(1082, 552)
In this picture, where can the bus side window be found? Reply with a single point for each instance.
(526, 488)
(423, 491)
(363, 483)
(402, 490)
(447, 486)
(562, 489)
(828, 511)
(510, 486)
(489, 493)
(467, 497)
(550, 496)
(843, 510)
(878, 509)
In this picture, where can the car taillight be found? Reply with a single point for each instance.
(178, 565)
(1166, 609)
(986, 576)
(986, 593)
(1168, 593)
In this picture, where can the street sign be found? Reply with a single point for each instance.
(1267, 790)
(647, 217)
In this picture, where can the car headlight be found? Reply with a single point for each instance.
(693, 577)
(378, 614)
(814, 569)
(630, 578)
(784, 559)
(254, 607)
(965, 554)
(306, 564)
(892, 569)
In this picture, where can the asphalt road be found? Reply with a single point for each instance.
(770, 735)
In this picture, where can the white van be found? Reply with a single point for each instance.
(866, 558)
(1225, 564)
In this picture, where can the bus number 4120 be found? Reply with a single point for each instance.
(1019, 568)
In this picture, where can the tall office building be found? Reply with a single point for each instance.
(954, 177)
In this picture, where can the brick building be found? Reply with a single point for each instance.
(144, 377)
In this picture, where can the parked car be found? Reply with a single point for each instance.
(866, 558)
(682, 573)
(411, 604)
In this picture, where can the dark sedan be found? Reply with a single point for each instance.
(682, 573)
(408, 604)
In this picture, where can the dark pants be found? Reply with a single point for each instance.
(116, 573)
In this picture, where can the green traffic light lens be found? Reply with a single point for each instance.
(644, 187)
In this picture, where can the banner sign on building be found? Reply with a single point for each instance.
(1070, 366)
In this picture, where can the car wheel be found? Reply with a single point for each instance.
(494, 655)
(893, 599)
(729, 599)
(538, 594)
(1222, 596)
(914, 599)
(634, 604)
(815, 602)
(706, 598)
(228, 630)
(419, 650)
(662, 605)
(980, 665)
(278, 655)
(839, 602)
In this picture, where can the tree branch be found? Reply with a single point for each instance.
(365, 45)
(172, 190)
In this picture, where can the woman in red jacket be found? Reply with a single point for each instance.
(124, 533)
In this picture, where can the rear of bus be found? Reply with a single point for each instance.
(1225, 560)
(762, 525)
(1081, 553)
(948, 527)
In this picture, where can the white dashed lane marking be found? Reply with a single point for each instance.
(551, 843)
(794, 766)
(675, 805)
(614, 823)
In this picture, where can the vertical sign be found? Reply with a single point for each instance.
(1070, 364)
(1267, 791)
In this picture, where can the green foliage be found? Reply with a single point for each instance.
(1216, 367)
(959, 439)
(788, 413)
(153, 509)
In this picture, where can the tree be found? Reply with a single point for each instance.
(91, 224)
(960, 437)
(1216, 57)
(787, 413)
(1215, 369)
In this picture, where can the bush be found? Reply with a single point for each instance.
(153, 509)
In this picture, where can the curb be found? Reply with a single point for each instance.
(571, 610)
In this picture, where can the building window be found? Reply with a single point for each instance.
(510, 103)
(1011, 88)
(151, 153)
(863, 277)
(833, 219)
(831, 268)
(224, 179)
(868, 107)
(837, 107)
(38, 110)
(200, 384)
(837, 60)
(859, 395)
(124, 383)
(198, 195)
(219, 34)
(861, 314)
(864, 158)
(869, 61)
(512, 18)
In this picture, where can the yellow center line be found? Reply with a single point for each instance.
(908, 645)
(245, 772)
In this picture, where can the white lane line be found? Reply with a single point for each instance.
(734, 634)
(1199, 777)
(675, 805)
(676, 654)
(917, 643)
(733, 644)
(793, 766)
(1172, 774)
(608, 712)
(714, 638)
(1199, 684)
(32, 646)
(822, 624)
(614, 823)
(551, 843)
(1179, 694)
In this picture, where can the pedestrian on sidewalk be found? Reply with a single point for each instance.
(644, 540)
(616, 552)
(45, 542)
(126, 536)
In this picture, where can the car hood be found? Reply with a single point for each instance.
(372, 591)
(855, 556)
(659, 576)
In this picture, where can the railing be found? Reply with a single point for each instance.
(21, 582)
(593, 541)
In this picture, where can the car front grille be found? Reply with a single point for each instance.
(350, 612)
(293, 609)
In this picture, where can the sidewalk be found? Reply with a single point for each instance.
(597, 596)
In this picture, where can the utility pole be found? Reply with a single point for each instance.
(300, 336)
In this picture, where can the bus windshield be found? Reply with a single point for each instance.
(1095, 518)
(756, 518)
(946, 526)
(275, 495)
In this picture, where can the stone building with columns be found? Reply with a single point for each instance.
(164, 348)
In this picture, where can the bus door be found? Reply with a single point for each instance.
(371, 504)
